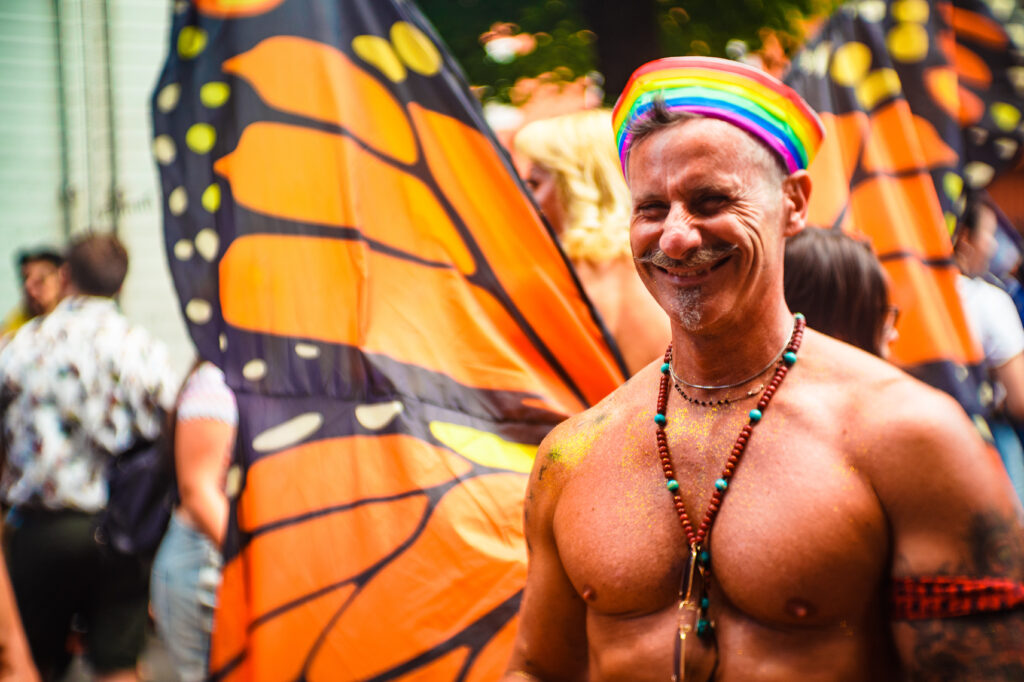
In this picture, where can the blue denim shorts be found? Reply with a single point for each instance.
(183, 592)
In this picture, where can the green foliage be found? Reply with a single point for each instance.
(705, 28)
(565, 45)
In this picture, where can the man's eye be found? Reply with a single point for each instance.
(649, 208)
(712, 203)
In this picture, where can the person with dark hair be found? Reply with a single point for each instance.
(41, 287)
(97, 265)
(765, 502)
(993, 320)
(838, 284)
(991, 314)
(78, 387)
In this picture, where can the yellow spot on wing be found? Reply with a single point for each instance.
(879, 86)
(953, 185)
(415, 49)
(191, 41)
(214, 94)
(486, 449)
(201, 137)
(908, 42)
(211, 198)
(1006, 116)
(378, 51)
(850, 63)
(910, 10)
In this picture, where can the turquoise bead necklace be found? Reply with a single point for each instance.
(691, 608)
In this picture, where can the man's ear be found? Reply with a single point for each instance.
(796, 190)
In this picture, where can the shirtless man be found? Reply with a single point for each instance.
(852, 487)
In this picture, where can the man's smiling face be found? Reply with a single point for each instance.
(711, 208)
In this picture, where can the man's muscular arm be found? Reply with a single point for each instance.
(551, 643)
(952, 512)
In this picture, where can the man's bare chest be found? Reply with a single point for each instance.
(799, 538)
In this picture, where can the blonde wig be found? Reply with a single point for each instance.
(579, 148)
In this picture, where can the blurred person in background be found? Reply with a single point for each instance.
(572, 169)
(77, 387)
(837, 282)
(186, 571)
(1004, 269)
(993, 320)
(41, 287)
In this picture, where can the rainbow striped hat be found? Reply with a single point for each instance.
(731, 91)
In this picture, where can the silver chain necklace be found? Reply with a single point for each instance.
(767, 367)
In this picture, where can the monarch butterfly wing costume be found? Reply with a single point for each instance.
(920, 101)
(400, 328)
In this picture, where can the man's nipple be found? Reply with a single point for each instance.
(800, 609)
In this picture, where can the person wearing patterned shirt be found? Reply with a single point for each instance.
(77, 387)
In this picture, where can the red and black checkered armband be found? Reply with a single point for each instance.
(927, 597)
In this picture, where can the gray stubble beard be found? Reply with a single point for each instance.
(690, 307)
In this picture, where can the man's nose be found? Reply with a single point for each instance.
(680, 233)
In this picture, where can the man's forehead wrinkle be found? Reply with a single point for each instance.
(696, 157)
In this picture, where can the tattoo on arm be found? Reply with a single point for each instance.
(997, 547)
(981, 647)
(988, 646)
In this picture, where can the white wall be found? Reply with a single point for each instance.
(30, 137)
(97, 155)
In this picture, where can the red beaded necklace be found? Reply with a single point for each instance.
(700, 556)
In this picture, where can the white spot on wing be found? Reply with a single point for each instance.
(377, 416)
(288, 433)
(254, 370)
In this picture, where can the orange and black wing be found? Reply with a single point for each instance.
(921, 101)
(401, 330)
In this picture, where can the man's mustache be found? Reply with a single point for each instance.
(702, 256)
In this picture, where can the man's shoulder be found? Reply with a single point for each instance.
(569, 443)
(829, 361)
(895, 425)
(96, 327)
(115, 331)
(872, 396)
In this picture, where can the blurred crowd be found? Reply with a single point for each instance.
(81, 390)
